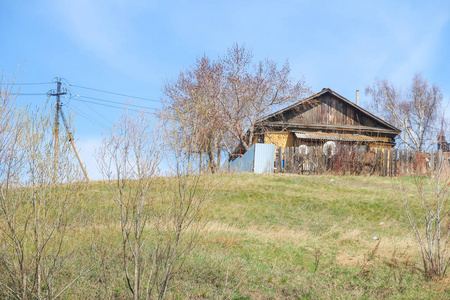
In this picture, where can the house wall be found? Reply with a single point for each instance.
(380, 145)
(329, 110)
(288, 139)
(279, 139)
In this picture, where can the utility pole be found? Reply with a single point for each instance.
(56, 131)
(74, 147)
(56, 128)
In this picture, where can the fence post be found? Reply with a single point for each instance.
(278, 158)
(295, 160)
(403, 161)
(432, 162)
(380, 161)
(395, 162)
(409, 161)
(375, 167)
(287, 160)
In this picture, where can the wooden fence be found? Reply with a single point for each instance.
(346, 160)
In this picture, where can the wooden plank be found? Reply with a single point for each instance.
(401, 161)
(395, 162)
(309, 160)
(279, 158)
(317, 161)
(409, 161)
(432, 161)
(289, 160)
(381, 162)
(293, 166)
(375, 167)
(405, 162)
(286, 159)
(391, 162)
(295, 160)
(395, 153)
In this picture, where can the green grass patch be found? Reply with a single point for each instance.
(271, 237)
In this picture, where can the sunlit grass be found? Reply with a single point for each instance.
(273, 237)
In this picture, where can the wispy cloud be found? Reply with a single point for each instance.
(422, 52)
(414, 35)
(104, 29)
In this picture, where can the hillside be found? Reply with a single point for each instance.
(316, 237)
(271, 237)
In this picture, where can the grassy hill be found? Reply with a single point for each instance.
(273, 237)
(315, 237)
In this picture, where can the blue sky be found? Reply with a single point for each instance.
(134, 46)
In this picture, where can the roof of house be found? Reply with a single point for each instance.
(341, 98)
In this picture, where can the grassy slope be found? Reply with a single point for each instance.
(286, 236)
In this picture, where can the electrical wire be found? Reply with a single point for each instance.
(93, 98)
(99, 114)
(29, 83)
(31, 94)
(115, 102)
(111, 106)
(113, 93)
(89, 118)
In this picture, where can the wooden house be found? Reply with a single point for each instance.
(325, 118)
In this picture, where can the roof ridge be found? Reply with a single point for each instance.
(342, 98)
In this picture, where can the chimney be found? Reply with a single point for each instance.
(357, 97)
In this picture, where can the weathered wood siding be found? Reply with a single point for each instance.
(329, 110)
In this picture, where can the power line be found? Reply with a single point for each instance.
(110, 105)
(29, 83)
(115, 102)
(99, 114)
(32, 94)
(35, 83)
(113, 93)
(89, 118)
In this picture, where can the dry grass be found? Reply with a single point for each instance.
(276, 237)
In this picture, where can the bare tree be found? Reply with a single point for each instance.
(431, 225)
(158, 217)
(224, 98)
(128, 161)
(253, 90)
(191, 104)
(415, 111)
(34, 212)
(180, 227)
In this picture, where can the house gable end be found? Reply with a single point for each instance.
(327, 108)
